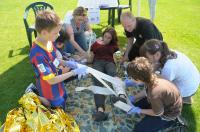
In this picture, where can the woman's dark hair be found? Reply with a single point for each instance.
(113, 33)
(141, 69)
(63, 35)
(153, 45)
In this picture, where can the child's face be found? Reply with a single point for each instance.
(107, 37)
(59, 45)
(51, 35)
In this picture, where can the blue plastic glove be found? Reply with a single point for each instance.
(130, 83)
(71, 64)
(131, 98)
(134, 110)
(81, 72)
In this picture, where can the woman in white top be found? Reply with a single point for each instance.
(174, 66)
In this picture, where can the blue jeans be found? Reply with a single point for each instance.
(80, 38)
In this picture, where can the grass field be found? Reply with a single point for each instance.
(178, 20)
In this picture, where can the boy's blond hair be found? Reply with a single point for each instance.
(46, 20)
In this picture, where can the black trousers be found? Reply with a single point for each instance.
(107, 68)
(150, 123)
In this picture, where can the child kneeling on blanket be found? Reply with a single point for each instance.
(161, 102)
(46, 65)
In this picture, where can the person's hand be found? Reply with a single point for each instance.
(131, 98)
(129, 83)
(71, 64)
(44, 101)
(83, 55)
(99, 39)
(77, 57)
(81, 71)
(134, 110)
(123, 59)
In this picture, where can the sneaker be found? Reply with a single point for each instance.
(32, 88)
(100, 116)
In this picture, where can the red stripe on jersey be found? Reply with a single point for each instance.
(46, 89)
(60, 89)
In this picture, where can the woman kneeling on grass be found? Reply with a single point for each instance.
(174, 66)
(161, 103)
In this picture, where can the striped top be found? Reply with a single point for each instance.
(45, 66)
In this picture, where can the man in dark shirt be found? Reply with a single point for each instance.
(137, 30)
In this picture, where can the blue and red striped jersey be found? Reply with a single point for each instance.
(45, 66)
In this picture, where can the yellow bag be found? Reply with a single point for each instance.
(29, 101)
(15, 121)
(34, 117)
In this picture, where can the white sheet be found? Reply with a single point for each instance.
(123, 106)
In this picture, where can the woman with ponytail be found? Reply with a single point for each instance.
(173, 66)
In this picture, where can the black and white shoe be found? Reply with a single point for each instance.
(32, 88)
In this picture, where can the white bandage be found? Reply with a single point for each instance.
(118, 84)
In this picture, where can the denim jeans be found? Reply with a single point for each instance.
(80, 38)
(150, 123)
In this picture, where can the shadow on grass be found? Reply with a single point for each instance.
(20, 51)
(188, 114)
(13, 83)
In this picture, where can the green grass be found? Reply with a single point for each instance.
(178, 20)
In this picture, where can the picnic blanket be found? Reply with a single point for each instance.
(81, 106)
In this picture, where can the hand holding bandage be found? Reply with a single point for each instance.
(134, 110)
(71, 64)
(131, 83)
(80, 71)
(132, 98)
